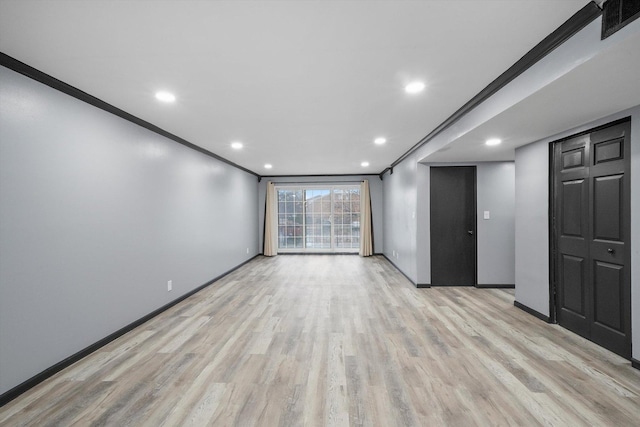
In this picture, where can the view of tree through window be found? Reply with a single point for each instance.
(319, 218)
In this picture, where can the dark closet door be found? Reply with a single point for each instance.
(572, 222)
(453, 225)
(592, 221)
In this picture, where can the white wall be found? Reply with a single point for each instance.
(96, 215)
(532, 225)
(375, 190)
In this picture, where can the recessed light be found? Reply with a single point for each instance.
(493, 141)
(165, 96)
(364, 164)
(268, 166)
(236, 145)
(380, 141)
(414, 87)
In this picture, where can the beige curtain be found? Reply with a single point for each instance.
(271, 222)
(366, 237)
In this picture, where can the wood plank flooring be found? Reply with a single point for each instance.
(337, 341)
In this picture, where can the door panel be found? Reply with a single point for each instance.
(610, 256)
(607, 199)
(608, 151)
(608, 284)
(572, 217)
(591, 220)
(572, 202)
(453, 225)
(573, 158)
(573, 269)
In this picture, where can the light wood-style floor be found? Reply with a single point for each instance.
(338, 340)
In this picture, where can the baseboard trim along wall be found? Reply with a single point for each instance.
(635, 363)
(316, 253)
(532, 312)
(495, 286)
(38, 378)
(408, 278)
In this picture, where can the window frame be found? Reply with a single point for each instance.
(333, 247)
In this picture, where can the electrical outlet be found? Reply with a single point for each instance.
(247, 250)
(169, 285)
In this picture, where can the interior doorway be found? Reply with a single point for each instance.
(453, 225)
(590, 254)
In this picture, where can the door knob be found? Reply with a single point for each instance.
(470, 232)
(611, 251)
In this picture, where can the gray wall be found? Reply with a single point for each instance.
(375, 189)
(400, 217)
(532, 225)
(407, 194)
(96, 215)
(496, 235)
(423, 226)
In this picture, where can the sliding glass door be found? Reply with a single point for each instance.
(318, 219)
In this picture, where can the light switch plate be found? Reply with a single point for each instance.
(487, 215)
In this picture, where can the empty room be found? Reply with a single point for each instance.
(320, 213)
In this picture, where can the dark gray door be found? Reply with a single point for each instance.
(453, 225)
(591, 220)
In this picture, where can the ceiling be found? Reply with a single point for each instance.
(305, 86)
(604, 84)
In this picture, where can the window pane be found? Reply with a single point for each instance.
(308, 217)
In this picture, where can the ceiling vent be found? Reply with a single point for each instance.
(618, 13)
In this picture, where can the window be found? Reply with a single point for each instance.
(318, 219)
